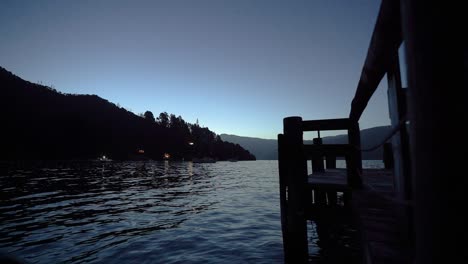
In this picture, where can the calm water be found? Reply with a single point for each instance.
(158, 212)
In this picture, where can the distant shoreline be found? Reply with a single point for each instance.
(98, 161)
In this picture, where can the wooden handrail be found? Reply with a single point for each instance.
(340, 150)
(326, 124)
(385, 41)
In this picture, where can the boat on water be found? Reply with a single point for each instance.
(204, 160)
(233, 160)
(104, 159)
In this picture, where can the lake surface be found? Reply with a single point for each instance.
(153, 212)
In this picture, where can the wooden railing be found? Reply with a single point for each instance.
(383, 48)
(295, 193)
(435, 53)
(382, 58)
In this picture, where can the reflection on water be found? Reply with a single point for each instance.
(142, 212)
(133, 212)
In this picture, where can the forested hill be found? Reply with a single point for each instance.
(39, 122)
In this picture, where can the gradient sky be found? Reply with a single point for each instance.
(238, 66)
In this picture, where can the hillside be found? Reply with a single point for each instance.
(40, 123)
(263, 149)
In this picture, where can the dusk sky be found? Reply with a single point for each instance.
(238, 66)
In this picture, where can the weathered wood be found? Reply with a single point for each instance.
(340, 150)
(354, 161)
(354, 139)
(332, 198)
(296, 246)
(317, 160)
(282, 169)
(376, 209)
(437, 59)
(352, 155)
(337, 176)
(353, 173)
(400, 148)
(317, 164)
(347, 196)
(320, 198)
(326, 124)
(329, 183)
(385, 41)
(388, 156)
(381, 227)
(330, 161)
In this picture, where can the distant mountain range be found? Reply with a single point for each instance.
(267, 149)
(39, 122)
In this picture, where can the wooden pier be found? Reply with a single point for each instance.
(384, 220)
(369, 194)
(409, 212)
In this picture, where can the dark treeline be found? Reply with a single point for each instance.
(40, 123)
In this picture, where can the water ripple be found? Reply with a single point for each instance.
(165, 212)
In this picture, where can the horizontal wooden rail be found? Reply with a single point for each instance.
(385, 41)
(326, 124)
(340, 150)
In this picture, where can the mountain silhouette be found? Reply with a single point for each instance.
(267, 149)
(41, 123)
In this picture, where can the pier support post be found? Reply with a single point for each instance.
(388, 156)
(437, 66)
(400, 149)
(330, 162)
(296, 247)
(317, 161)
(283, 185)
(354, 161)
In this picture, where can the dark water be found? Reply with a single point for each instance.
(157, 212)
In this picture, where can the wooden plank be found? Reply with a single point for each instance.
(331, 173)
(380, 218)
(353, 162)
(381, 228)
(329, 180)
(326, 124)
(329, 186)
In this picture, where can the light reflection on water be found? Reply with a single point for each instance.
(163, 212)
(134, 212)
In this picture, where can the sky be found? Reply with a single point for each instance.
(238, 66)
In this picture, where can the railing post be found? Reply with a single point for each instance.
(330, 162)
(354, 161)
(317, 161)
(388, 156)
(397, 111)
(296, 248)
(283, 184)
(437, 66)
